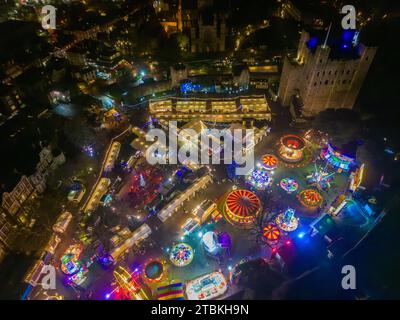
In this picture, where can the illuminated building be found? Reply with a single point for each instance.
(27, 187)
(356, 178)
(213, 109)
(5, 234)
(204, 210)
(10, 102)
(191, 106)
(324, 74)
(112, 156)
(242, 207)
(224, 106)
(288, 10)
(138, 235)
(338, 204)
(99, 191)
(160, 106)
(291, 148)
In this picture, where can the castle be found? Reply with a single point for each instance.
(323, 75)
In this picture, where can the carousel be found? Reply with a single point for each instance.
(242, 207)
(154, 271)
(310, 198)
(181, 255)
(269, 161)
(287, 221)
(271, 233)
(291, 148)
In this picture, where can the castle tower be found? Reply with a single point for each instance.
(208, 35)
(323, 78)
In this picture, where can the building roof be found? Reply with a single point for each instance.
(238, 68)
(25, 139)
(339, 41)
(325, 225)
(196, 125)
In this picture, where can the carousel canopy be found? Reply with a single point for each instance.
(269, 161)
(243, 203)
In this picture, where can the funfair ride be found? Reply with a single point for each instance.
(242, 207)
(291, 148)
(127, 286)
(320, 178)
(287, 220)
(310, 198)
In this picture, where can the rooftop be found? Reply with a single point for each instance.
(341, 42)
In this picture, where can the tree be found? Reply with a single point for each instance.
(259, 277)
(341, 125)
(256, 229)
(79, 133)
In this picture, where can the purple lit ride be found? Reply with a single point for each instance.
(337, 159)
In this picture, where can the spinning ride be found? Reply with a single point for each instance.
(127, 285)
(336, 159)
(289, 185)
(181, 255)
(320, 178)
(291, 148)
(154, 271)
(310, 198)
(287, 221)
(269, 161)
(242, 207)
(271, 232)
(260, 179)
(72, 266)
